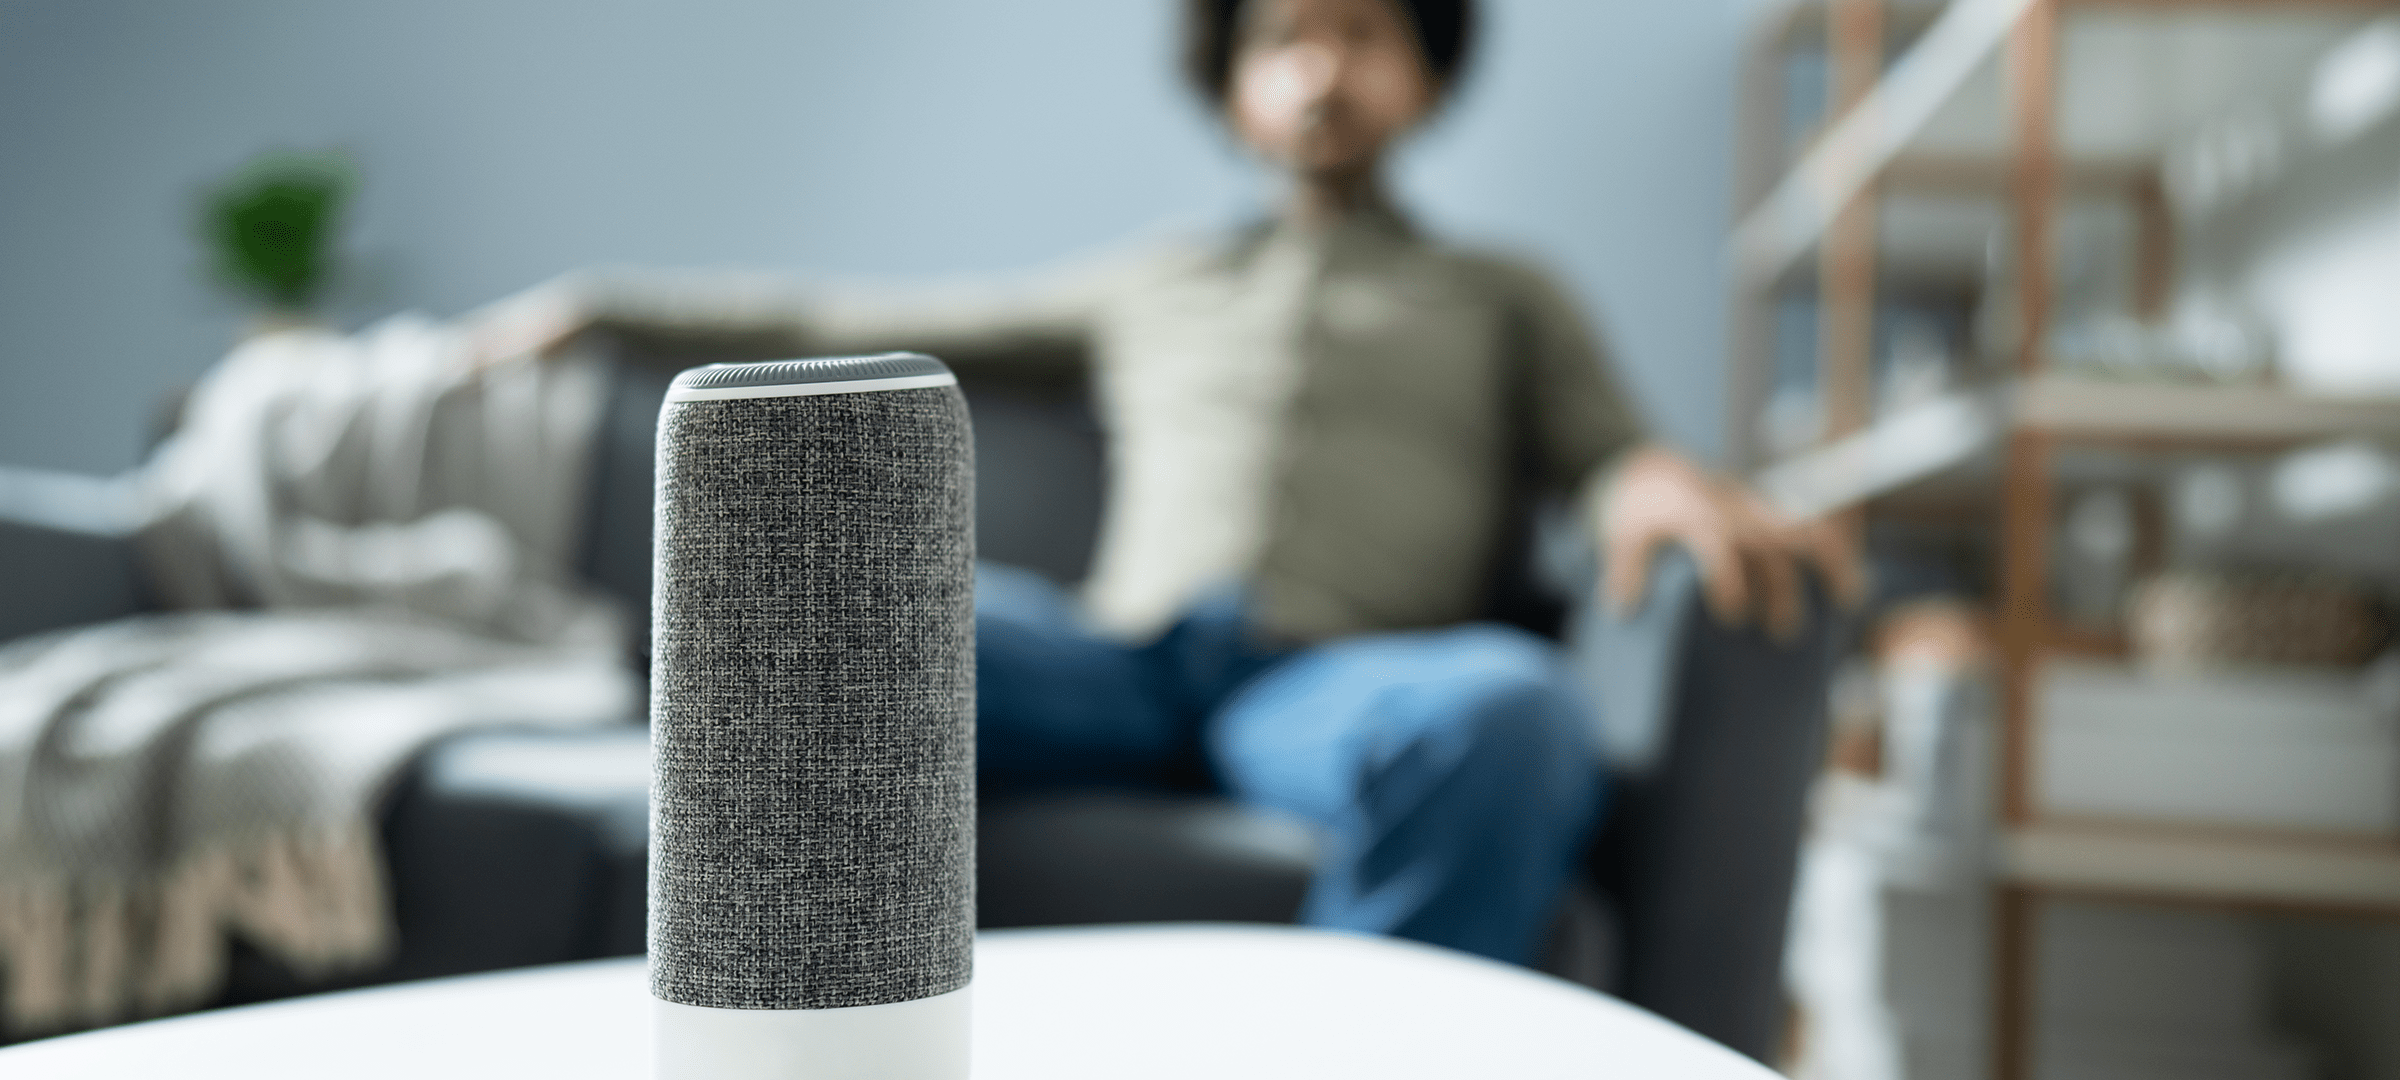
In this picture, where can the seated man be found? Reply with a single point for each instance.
(1316, 426)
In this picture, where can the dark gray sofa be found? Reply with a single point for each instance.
(518, 847)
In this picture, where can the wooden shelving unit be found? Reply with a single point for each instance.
(2200, 415)
(1933, 120)
(2265, 870)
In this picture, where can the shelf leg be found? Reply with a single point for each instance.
(1846, 267)
(2032, 65)
(2014, 970)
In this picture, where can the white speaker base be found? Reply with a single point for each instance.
(924, 1039)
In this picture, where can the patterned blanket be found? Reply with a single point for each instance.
(364, 544)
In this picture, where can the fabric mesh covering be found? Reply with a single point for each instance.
(813, 817)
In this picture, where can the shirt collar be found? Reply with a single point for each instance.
(1373, 223)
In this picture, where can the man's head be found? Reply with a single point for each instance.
(1323, 86)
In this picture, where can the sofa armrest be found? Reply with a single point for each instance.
(1626, 663)
(53, 578)
(1716, 734)
(67, 554)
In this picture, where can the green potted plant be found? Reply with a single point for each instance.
(270, 229)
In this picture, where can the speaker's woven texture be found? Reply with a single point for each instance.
(812, 708)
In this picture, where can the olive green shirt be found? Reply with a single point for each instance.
(1338, 419)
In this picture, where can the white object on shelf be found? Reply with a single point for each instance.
(2326, 284)
(2358, 83)
(1886, 939)
(2333, 481)
(2294, 749)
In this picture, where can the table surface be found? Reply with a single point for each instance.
(1159, 1002)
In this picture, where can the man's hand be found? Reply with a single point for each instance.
(1750, 556)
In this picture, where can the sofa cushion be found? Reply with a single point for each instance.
(1109, 856)
(521, 847)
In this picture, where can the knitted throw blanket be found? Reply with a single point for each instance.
(368, 539)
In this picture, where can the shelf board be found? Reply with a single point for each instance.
(1989, 174)
(1943, 444)
(2092, 409)
(2087, 643)
(2206, 865)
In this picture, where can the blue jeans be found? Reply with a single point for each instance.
(1448, 770)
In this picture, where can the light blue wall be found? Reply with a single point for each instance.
(504, 141)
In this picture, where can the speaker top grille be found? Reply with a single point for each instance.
(826, 375)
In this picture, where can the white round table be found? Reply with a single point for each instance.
(1159, 1002)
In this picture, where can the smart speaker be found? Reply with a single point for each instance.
(812, 817)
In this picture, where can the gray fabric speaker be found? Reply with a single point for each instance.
(812, 903)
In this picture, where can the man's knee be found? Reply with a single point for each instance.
(1505, 671)
(1521, 722)
(1497, 691)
